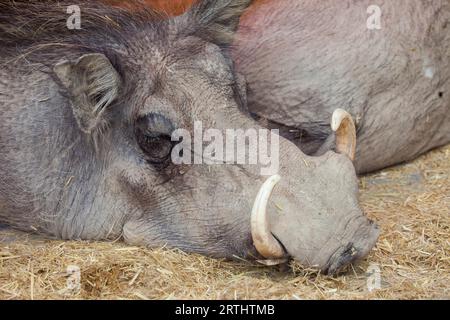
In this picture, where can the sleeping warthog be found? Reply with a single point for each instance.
(85, 140)
(303, 59)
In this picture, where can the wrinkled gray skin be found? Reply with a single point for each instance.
(302, 59)
(74, 171)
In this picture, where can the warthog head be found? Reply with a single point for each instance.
(87, 151)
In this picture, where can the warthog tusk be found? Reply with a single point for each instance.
(342, 123)
(271, 263)
(263, 240)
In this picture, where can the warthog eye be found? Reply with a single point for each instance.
(153, 134)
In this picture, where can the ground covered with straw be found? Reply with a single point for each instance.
(410, 202)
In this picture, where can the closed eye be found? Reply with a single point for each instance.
(153, 134)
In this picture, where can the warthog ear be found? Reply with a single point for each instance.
(219, 19)
(93, 84)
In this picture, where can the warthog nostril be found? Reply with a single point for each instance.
(362, 242)
(350, 251)
(342, 258)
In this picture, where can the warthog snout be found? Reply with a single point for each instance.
(342, 247)
(310, 211)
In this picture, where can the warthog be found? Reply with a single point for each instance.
(387, 65)
(85, 140)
